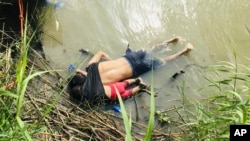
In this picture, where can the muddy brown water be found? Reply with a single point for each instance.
(214, 27)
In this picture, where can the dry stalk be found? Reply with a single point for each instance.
(68, 121)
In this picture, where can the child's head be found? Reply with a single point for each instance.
(75, 86)
(76, 92)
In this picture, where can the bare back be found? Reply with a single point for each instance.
(114, 70)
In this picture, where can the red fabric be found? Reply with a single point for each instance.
(121, 87)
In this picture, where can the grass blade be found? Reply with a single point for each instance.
(152, 112)
(127, 122)
(8, 93)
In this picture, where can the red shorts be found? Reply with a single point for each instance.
(121, 88)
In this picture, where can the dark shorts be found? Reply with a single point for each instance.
(142, 62)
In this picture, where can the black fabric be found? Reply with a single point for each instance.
(142, 62)
(92, 89)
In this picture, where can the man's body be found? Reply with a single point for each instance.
(114, 70)
(119, 69)
(102, 78)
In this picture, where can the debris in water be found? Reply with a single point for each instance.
(71, 67)
(117, 109)
(177, 74)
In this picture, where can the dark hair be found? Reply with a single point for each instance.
(76, 79)
(76, 92)
(75, 86)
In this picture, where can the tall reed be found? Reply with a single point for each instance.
(126, 120)
(152, 111)
(227, 103)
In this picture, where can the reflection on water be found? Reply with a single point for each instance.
(214, 27)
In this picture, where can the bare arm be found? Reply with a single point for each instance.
(98, 56)
(106, 56)
(81, 72)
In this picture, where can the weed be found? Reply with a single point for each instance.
(227, 104)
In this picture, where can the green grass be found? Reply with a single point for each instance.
(152, 112)
(126, 120)
(226, 103)
(12, 101)
(23, 80)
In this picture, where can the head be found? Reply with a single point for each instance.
(77, 79)
(75, 85)
(76, 92)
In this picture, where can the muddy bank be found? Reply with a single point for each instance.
(10, 21)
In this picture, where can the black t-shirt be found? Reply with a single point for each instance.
(93, 89)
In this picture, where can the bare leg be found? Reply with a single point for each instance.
(172, 40)
(130, 81)
(165, 43)
(135, 90)
(188, 48)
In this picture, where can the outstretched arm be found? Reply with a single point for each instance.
(98, 56)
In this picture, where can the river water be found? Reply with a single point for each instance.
(214, 27)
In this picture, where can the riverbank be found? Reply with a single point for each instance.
(34, 104)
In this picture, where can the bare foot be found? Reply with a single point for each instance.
(140, 79)
(173, 40)
(142, 85)
(189, 47)
(165, 43)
